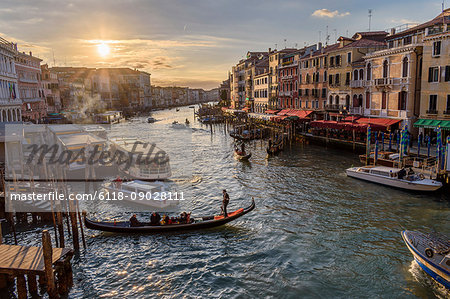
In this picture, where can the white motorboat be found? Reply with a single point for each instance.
(146, 194)
(153, 166)
(394, 177)
(177, 125)
(432, 253)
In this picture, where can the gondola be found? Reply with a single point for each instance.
(274, 149)
(198, 223)
(242, 157)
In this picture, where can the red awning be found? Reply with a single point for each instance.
(271, 111)
(283, 112)
(352, 118)
(385, 122)
(299, 113)
(278, 117)
(331, 124)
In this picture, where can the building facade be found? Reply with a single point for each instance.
(261, 92)
(341, 63)
(50, 87)
(10, 102)
(435, 85)
(28, 70)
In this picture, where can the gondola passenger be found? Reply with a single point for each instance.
(134, 221)
(155, 219)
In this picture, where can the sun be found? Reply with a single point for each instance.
(103, 49)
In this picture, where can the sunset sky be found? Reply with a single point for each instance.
(188, 43)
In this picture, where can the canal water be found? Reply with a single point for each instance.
(315, 233)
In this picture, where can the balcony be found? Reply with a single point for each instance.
(380, 82)
(432, 111)
(356, 110)
(26, 80)
(357, 83)
(334, 107)
(286, 77)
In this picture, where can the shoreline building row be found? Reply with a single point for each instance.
(401, 76)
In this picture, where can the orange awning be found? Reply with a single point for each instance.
(245, 109)
(386, 122)
(271, 111)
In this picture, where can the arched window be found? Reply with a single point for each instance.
(355, 101)
(360, 100)
(385, 69)
(336, 100)
(369, 71)
(347, 101)
(355, 75)
(361, 74)
(367, 100)
(405, 67)
(325, 76)
(331, 100)
(402, 97)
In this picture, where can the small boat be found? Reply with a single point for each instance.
(394, 178)
(177, 109)
(187, 122)
(151, 120)
(274, 149)
(242, 157)
(197, 223)
(142, 193)
(177, 125)
(432, 253)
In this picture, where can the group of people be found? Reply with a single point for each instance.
(184, 218)
(156, 219)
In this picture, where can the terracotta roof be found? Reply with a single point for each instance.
(443, 17)
(365, 43)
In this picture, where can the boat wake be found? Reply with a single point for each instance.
(194, 180)
(425, 280)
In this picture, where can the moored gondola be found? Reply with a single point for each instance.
(197, 223)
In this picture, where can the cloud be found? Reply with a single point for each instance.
(326, 13)
(403, 21)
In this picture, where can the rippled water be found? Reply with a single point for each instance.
(314, 232)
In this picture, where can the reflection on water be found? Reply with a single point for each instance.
(314, 232)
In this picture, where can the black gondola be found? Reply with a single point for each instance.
(198, 223)
(242, 157)
(275, 149)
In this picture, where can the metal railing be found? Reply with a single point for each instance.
(432, 111)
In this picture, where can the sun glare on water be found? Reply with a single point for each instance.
(103, 49)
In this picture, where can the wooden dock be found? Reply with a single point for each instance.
(22, 265)
(15, 259)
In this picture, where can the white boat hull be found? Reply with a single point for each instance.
(423, 185)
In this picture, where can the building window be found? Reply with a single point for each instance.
(448, 104)
(325, 76)
(367, 100)
(369, 71)
(337, 79)
(324, 92)
(405, 67)
(432, 104)
(355, 75)
(402, 96)
(347, 78)
(383, 100)
(437, 48)
(385, 69)
(330, 79)
(447, 73)
(361, 74)
(433, 74)
(349, 57)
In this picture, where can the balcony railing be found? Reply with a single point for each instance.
(356, 110)
(432, 111)
(357, 83)
(334, 107)
(390, 81)
(447, 112)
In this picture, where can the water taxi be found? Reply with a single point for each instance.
(394, 177)
(152, 169)
(148, 194)
(432, 253)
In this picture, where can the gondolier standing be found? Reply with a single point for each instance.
(225, 201)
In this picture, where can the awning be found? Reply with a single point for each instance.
(260, 116)
(278, 117)
(271, 111)
(295, 112)
(339, 125)
(432, 123)
(283, 112)
(352, 118)
(386, 122)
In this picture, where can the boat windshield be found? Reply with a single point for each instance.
(415, 177)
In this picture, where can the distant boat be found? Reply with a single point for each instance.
(141, 193)
(242, 157)
(151, 120)
(136, 148)
(393, 177)
(432, 253)
(178, 109)
(177, 125)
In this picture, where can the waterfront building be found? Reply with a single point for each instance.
(28, 70)
(261, 92)
(224, 89)
(341, 61)
(10, 102)
(241, 78)
(254, 69)
(313, 78)
(274, 58)
(435, 80)
(50, 87)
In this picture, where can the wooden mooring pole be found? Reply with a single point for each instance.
(48, 265)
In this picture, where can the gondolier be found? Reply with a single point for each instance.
(225, 201)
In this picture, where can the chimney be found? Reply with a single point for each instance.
(320, 46)
(31, 54)
(392, 31)
(270, 50)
